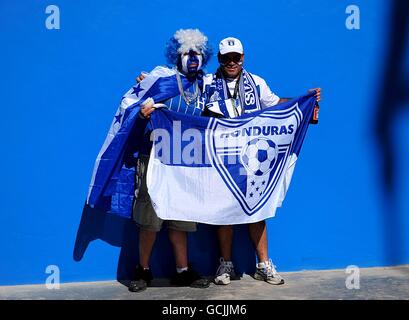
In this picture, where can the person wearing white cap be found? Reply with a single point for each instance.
(231, 92)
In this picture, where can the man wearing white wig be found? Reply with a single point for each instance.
(179, 87)
(187, 51)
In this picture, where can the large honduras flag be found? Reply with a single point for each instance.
(113, 180)
(225, 171)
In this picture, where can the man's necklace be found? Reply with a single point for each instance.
(189, 97)
(233, 98)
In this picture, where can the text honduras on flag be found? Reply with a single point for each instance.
(225, 171)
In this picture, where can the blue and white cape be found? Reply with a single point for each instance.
(112, 184)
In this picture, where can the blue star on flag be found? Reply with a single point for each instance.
(118, 118)
(136, 90)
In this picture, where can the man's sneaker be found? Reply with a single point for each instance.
(189, 278)
(266, 271)
(225, 273)
(142, 279)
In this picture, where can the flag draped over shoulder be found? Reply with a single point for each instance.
(113, 179)
(225, 171)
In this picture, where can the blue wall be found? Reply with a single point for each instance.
(59, 90)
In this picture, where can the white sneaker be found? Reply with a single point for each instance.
(266, 271)
(225, 272)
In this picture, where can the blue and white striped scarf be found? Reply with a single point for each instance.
(217, 94)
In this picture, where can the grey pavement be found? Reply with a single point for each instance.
(375, 283)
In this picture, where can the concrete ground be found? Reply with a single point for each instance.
(374, 283)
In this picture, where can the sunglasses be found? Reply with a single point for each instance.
(226, 58)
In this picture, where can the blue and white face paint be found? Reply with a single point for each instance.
(191, 62)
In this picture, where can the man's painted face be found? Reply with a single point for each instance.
(231, 63)
(191, 61)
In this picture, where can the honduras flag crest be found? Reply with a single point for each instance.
(250, 156)
(226, 171)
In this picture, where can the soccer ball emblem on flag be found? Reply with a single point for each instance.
(250, 154)
(258, 156)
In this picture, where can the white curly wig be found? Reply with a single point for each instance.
(184, 40)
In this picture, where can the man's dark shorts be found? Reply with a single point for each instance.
(143, 213)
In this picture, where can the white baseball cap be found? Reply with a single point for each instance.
(230, 44)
